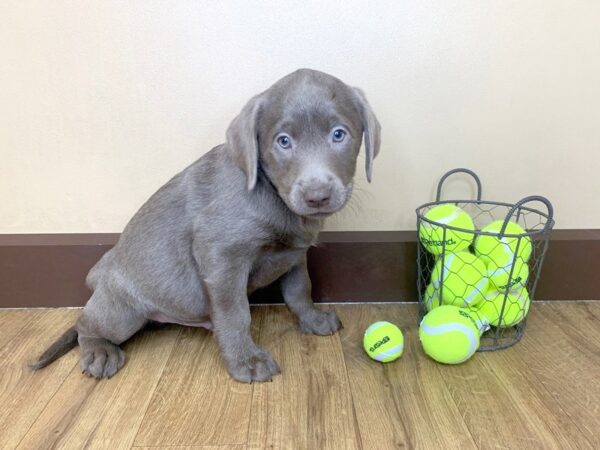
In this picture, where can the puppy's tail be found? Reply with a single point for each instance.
(64, 343)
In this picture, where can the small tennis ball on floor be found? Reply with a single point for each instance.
(383, 341)
(501, 251)
(501, 279)
(461, 279)
(515, 309)
(449, 334)
(434, 239)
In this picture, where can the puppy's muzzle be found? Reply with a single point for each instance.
(317, 195)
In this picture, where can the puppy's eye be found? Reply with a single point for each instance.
(339, 135)
(284, 141)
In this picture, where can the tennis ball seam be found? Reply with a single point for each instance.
(389, 353)
(449, 218)
(478, 289)
(433, 330)
(376, 325)
(468, 288)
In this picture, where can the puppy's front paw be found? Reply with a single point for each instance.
(258, 365)
(322, 323)
(102, 359)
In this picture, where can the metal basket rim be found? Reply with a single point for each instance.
(547, 229)
(486, 202)
(548, 225)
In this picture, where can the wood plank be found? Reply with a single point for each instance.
(532, 400)
(579, 321)
(196, 447)
(504, 404)
(404, 403)
(24, 393)
(105, 413)
(487, 408)
(569, 371)
(196, 402)
(308, 406)
(12, 321)
(542, 393)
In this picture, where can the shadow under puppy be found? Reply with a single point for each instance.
(239, 218)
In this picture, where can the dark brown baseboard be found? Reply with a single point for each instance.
(48, 270)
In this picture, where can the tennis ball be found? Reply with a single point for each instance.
(431, 297)
(449, 334)
(383, 341)
(432, 236)
(502, 251)
(460, 278)
(515, 309)
(501, 280)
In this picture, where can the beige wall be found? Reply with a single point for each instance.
(103, 101)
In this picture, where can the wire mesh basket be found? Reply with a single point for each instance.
(487, 260)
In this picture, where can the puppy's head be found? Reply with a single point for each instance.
(305, 134)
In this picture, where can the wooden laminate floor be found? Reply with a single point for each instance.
(174, 392)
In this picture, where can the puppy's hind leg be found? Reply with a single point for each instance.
(105, 323)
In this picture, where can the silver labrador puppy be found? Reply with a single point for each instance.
(239, 218)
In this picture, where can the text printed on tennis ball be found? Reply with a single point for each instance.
(510, 285)
(468, 316)
(378, 344)
(434, 243)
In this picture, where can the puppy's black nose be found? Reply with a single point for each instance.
(317, 197)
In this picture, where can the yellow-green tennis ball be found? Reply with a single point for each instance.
(432, 236)
(431, 297)
(502, 251)
(449, 334)
(515, 309)
(383, 341)
(461, 279)
(501, 279)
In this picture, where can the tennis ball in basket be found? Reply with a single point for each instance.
(515, 309)
(500, 276)
(502, 251)
(431, 297)
(383, 341)
(432, 236)
(460, 278)
(449, 334)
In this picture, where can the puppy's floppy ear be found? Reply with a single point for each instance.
(371, 131)
(242, 139)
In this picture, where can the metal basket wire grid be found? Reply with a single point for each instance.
(499, 308)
